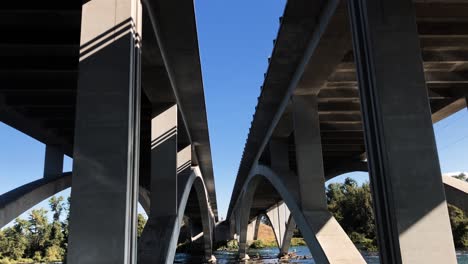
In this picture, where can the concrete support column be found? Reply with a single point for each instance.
(279, 158)
(251, 230)
(207, 218)
(232, 226)
(244, 211)
(334, 246)
(288, 234)
(155, 241)
(278, 217)
(257, 226)
(409, 201)
(53, 162)
(106, 146)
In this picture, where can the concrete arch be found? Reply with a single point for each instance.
(321, 253)
(21, 199)
(168, 229)
(207, 216)
(456, 192)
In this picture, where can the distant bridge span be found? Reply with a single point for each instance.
(350, 82)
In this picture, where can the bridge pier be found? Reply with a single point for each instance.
(288, 234)
(170, 172)
(410, 205)
(160, 229)
(252, 229)
(53, 162)
(330, 244)
(106, 145)
(279, 217)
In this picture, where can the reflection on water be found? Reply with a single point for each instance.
(269, 255)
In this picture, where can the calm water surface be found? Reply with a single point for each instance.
(269, 256)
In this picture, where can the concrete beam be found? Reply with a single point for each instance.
(411, 214)
(456, 191)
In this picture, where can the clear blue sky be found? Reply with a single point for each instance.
(235, 39)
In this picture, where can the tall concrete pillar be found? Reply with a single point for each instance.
(279, 159)
(154, 244)
(257, 227)
(334, 245)
(243, 219)
(288, 234)
(251, 230)
(411, 211)
(53, 162)
(278, 217)
(106, 146)
(232, 226)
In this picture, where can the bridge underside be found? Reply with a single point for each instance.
(331, 74)
(39, 66)
(94, 80)
(371, 77)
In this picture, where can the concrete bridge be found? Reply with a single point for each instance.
(356, 86)
(117, 86)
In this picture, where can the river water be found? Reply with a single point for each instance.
(268, 255)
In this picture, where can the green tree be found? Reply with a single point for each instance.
(459, 224)
(141, 224)
(39, 233)
(53, 247)
(56, 206)
(13, 240)
(351, 205)
(461, 176)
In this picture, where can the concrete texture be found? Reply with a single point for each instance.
(288, 234)
(105, 154)
(278, 217)
(410, 206)
(164, 163)
(53, 162)
(162, 218)
(252, 232)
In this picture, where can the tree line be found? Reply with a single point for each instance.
(40, 239)
(351, 205)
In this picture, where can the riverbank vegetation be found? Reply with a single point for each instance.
(351, 205)
(38, 238)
